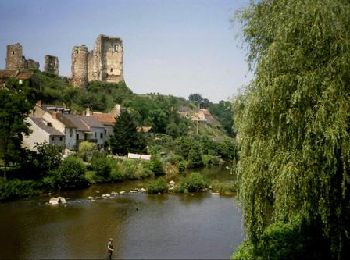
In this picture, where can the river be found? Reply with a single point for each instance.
(201, 225)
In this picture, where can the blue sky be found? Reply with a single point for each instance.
(173, 47)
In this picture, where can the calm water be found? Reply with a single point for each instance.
(142, 226)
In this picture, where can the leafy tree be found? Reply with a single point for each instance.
(293, 121)
(125, 137)
(156, 166)
(102, 167)
(15, 104)
(70, 174)
(195, 98)
(86, 150)
(195, 156)
(223, 111)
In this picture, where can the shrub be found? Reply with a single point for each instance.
(86, 150)
(158, 185)
(157, 166)
(210, 160)
(195, 157)
(102, 167)
(70, 174)
(15, 189)
(196, 182)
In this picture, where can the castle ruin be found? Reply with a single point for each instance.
(80, 66)
(16, 61)
(52, 64)
(104, 63)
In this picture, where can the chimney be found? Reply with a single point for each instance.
(88, 112)
(116, 110)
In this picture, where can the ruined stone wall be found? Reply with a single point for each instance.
(31, 64)
(52, 64)
(80, 66)
(106, 60)
(15, 59)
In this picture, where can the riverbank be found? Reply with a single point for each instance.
(217, 180)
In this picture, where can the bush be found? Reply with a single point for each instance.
(156, 166)
(70, 174)
(210, 160)
(86, 150)
(195, 157)
(196, 182)
(102, 167)
(224, 187)
(15, 189)
(158, 185)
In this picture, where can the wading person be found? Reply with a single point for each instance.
(110, 248)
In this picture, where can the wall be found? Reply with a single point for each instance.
(51, 64)
(37, 136)
(105, 62)
(15, 59)
(80, 66)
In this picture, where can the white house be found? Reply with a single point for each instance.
(42, 132)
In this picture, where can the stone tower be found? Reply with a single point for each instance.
(51, 64)
(106, 60)
(80, 66)
(14, 57)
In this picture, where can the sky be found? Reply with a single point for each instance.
(176, 47)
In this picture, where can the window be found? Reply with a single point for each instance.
(61, 138)
(115, 47)
(52, 138)
(77, 136)
(111, 69)
(101, 135)
(13, 53)
(70, 132)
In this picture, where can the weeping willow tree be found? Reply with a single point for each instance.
(293, 123)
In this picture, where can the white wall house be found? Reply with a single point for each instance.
(42, 132)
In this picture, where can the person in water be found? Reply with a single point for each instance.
(110, 248)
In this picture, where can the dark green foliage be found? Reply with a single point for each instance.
(195, 98)
(156, 186)
(37, 164)
(156, 166)
(223, 112)
(195, 157)
(293, 121)
(102, 167)
(293, 240)
(125, 136)
(15, 104)
(69, 175)
(99, 96)
(194, 182)
(16, 189)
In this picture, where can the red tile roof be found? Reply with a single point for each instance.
(104, 118)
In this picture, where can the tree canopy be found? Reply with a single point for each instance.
(125, 137)
(15, 103)
(293, 121)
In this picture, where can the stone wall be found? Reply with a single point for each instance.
(80, 66)
(15, 59)
(106, 60)
(52, 64)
